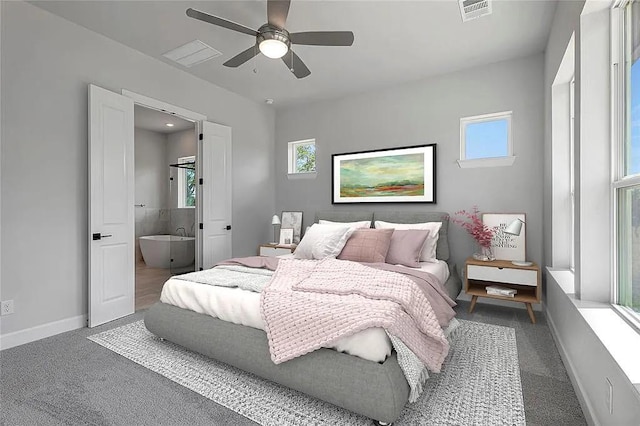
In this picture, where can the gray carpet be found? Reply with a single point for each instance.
(480, 381)
(67, 379)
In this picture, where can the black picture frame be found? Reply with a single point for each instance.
(351, 183)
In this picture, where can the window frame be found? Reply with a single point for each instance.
(620, 38)
(182, 182)
(292, 159)
(572, 172)
(506, 160)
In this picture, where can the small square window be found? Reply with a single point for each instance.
(485, 140)
(302, 157)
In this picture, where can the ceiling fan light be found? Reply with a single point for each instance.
(272, 48)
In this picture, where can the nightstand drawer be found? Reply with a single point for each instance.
(274, 251)
(502, 275)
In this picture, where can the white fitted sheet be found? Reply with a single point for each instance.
(243, 307)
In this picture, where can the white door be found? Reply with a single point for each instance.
(215, 193)
(111, 216)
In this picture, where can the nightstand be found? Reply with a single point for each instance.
(275, 250)
(525, 279)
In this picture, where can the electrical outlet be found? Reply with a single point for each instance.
(6, 307)
(609, 397)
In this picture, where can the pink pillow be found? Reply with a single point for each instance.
(367, 245)
(406, 247)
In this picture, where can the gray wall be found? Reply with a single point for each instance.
(565, 22)
(179, 144)
(152, 183)
(429, 112)
(47, 63)
(587, 359)
(151, 169)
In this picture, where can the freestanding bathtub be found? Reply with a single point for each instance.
(158, 250)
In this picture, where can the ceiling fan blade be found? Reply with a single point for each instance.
(242, 57)
(196, 14)
(323, 38)
(277, 11)
(295, 64)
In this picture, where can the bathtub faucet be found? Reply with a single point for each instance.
(184, 232)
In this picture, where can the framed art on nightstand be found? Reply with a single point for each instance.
(506, 246)
(286, 236)
(292, 220)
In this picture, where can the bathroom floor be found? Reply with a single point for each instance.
(149, 283)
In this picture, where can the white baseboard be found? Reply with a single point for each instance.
(38, 332)
(587, 409)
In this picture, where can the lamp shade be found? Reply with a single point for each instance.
(514, 228)
(273, 48)
(275, 220)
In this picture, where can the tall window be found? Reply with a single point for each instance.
(302, 156)
(626, 184)
(187, 182)
(572, 177)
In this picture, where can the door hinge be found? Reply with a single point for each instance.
(201, 226)
(200, 136)
(200, 181)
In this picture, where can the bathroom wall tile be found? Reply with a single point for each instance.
(152, 214)
(183, 218)
(139, 213)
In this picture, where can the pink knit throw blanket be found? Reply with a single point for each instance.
(310, 304)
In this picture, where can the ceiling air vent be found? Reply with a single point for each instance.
(472, 9)
(192, 53)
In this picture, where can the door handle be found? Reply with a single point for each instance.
(99, 236)
(228, 227)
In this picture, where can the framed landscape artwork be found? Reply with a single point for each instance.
(506, 246)
(398, 175)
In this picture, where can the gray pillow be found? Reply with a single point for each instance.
(406, 247)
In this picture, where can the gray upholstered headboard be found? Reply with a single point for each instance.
(442, 249)
(336, 216)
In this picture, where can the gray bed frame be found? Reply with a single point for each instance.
(376, 390)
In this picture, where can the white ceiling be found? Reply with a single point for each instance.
(395, 41)
(156, 121)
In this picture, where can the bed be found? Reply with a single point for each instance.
(378, 390)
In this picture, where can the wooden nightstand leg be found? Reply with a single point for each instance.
(530, 311)
(473, 303)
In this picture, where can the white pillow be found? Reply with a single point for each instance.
(430, 244)
(322, 241)
(359, 225)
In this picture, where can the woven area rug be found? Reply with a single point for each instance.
(479, 383)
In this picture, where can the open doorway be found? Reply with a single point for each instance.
(165, 200)
(112, 199)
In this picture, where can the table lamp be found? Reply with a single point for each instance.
(275, 221)
(514, 228)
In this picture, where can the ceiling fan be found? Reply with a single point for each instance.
(273, 40)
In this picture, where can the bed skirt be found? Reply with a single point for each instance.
(376, 390)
